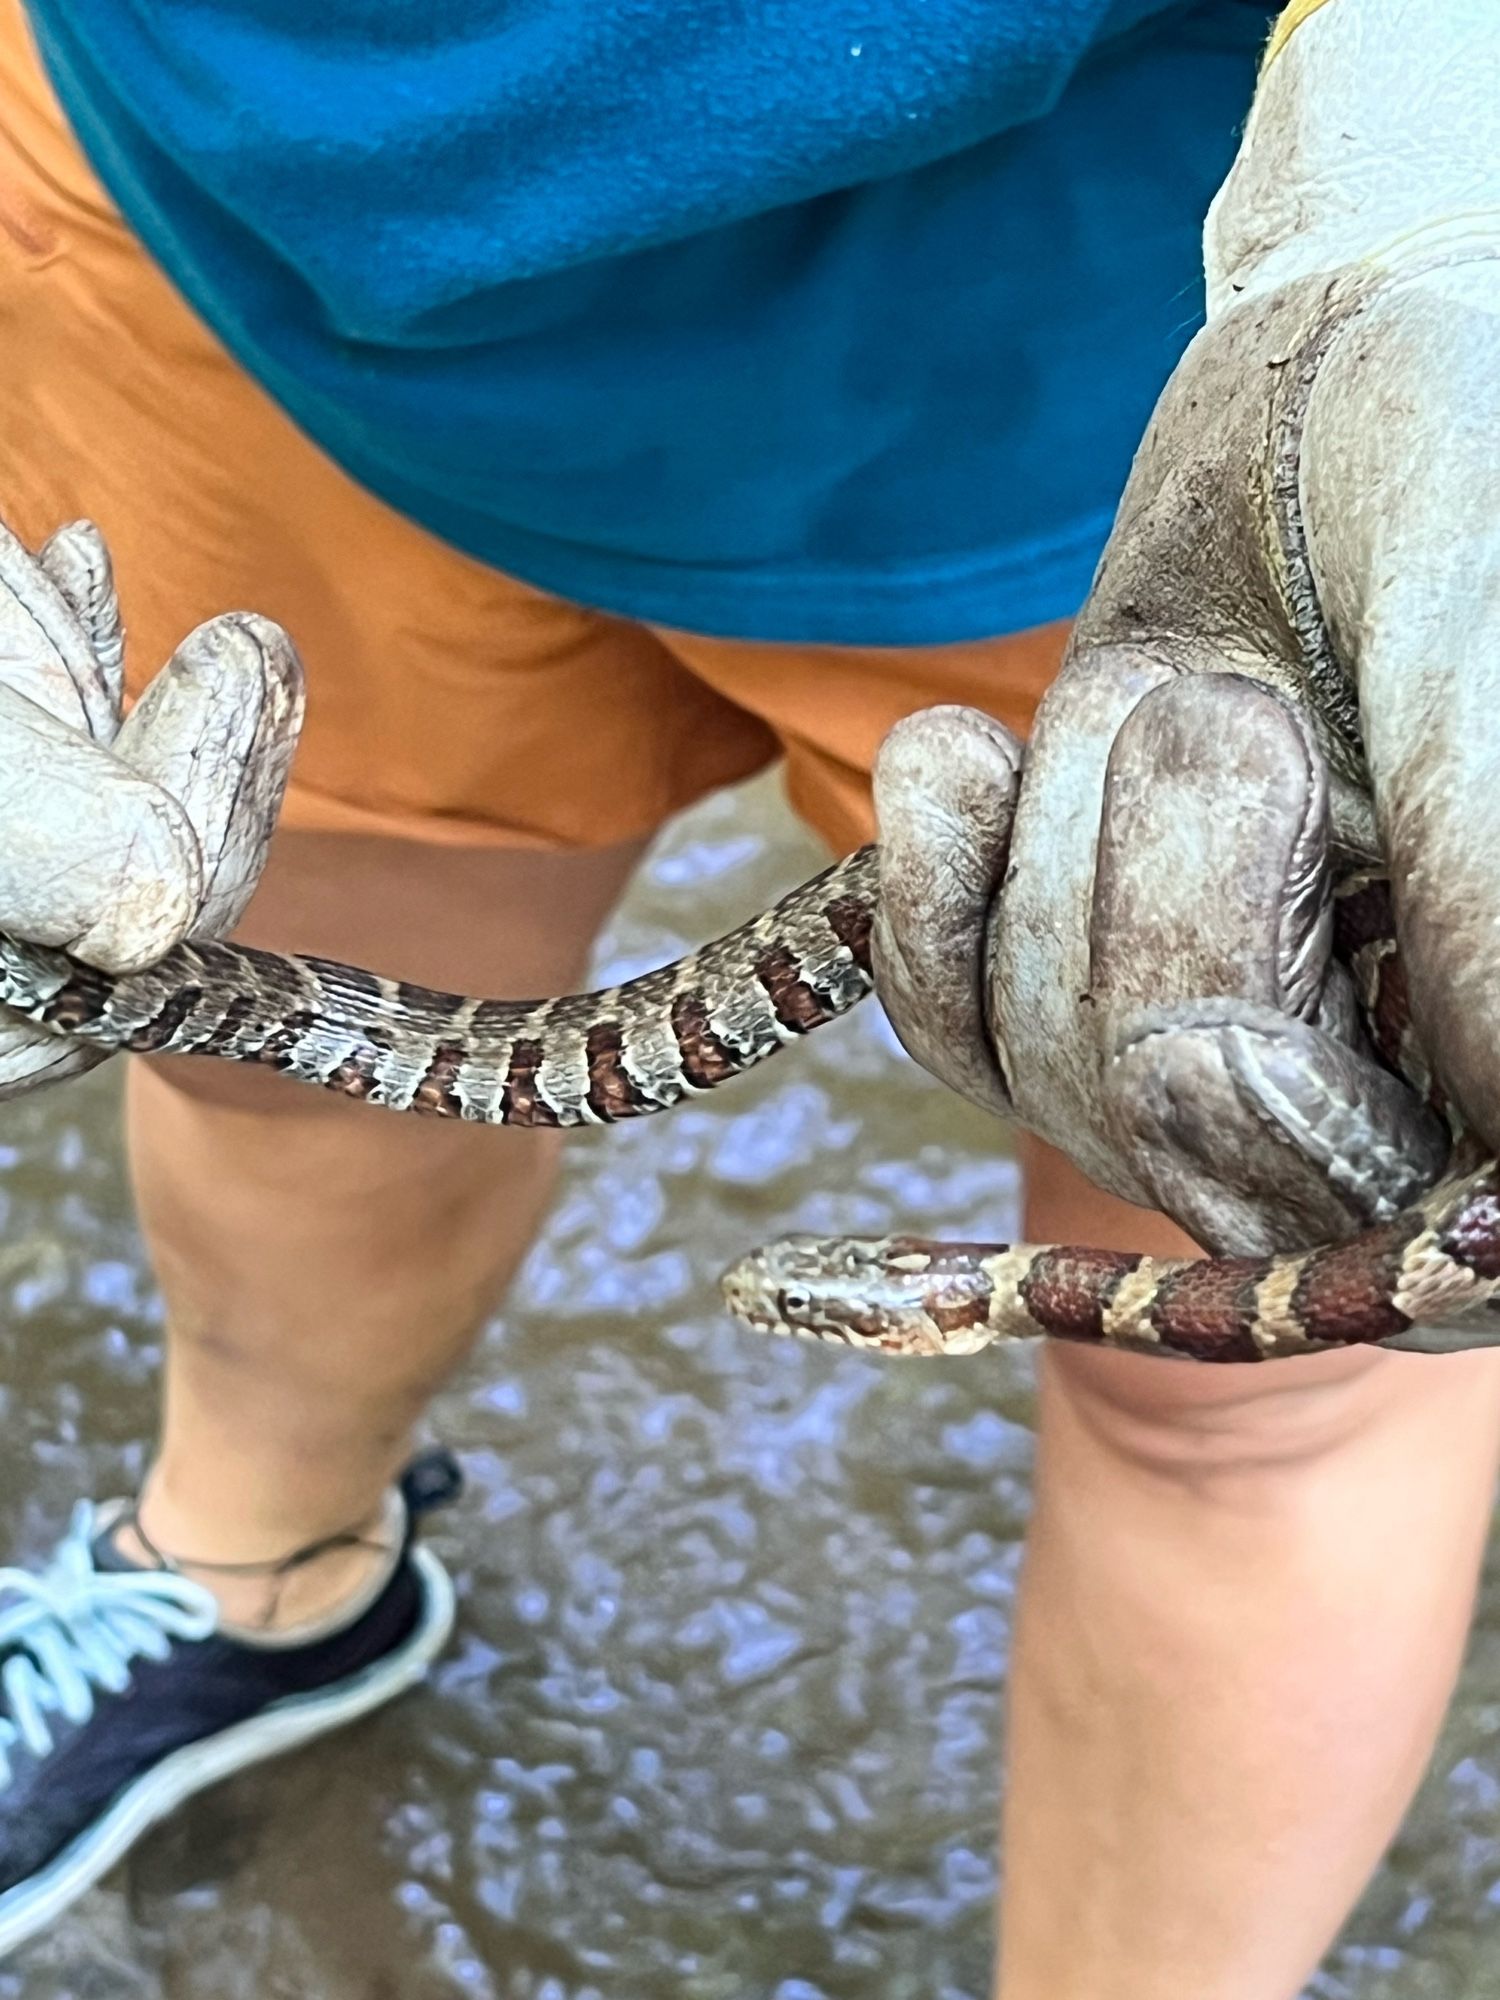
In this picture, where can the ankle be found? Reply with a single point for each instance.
(267, 1587)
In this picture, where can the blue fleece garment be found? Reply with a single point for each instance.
(822, 320)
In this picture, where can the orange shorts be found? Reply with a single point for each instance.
(446, 701)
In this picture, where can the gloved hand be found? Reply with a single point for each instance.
(1289, 662)
(118, 840)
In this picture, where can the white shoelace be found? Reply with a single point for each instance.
(74, 1629)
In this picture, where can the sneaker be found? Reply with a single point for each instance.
(120, 1698)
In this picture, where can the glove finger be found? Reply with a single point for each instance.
(31, 1059)
(78, 562)
(946, 782)
(93, 858)
(44, 649)
(1040, 1006)
(217, 729)
(1257, 1132)
(1213, 925)
(1213, 874)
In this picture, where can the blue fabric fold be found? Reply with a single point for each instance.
(777, 318)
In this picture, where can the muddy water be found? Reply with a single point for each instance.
(723, 1715)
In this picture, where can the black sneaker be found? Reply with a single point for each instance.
(120, 1698)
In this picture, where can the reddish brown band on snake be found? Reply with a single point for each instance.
(1429, 1278)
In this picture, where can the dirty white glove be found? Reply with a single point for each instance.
(1292, 645)
(118, 840)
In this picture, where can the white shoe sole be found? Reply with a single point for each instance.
(34, 1904)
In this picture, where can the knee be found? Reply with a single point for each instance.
(1207, 1428)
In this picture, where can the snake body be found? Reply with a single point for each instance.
(583, 1059)
(1429, 1277)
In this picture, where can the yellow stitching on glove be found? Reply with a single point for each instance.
(1286, 26)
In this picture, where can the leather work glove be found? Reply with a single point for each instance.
(1288, 666)
(118, 840)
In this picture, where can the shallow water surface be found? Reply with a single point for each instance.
(722, 1716)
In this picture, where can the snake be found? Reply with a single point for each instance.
(1426, 1277)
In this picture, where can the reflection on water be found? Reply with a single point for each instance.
(722, 1719)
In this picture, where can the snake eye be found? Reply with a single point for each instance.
(793, 1301)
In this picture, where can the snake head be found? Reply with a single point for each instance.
(889, 1294)
(775, 1289)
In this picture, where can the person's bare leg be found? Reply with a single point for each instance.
(1246, 1597)
(326, 1264)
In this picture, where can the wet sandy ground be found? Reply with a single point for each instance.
(723, 1717)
